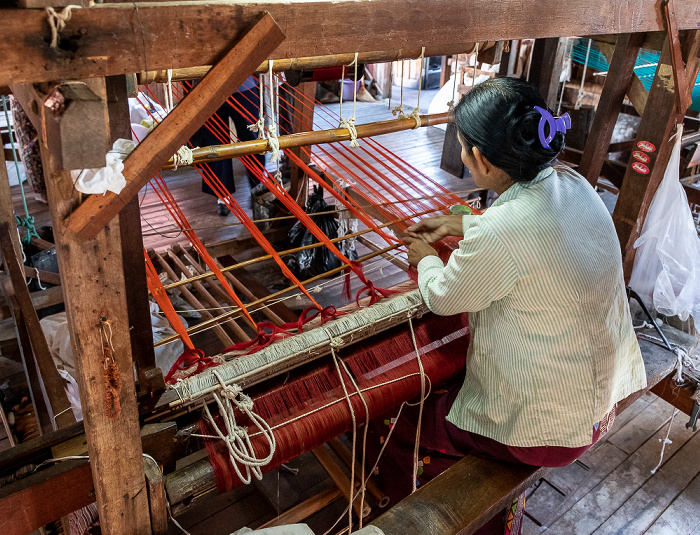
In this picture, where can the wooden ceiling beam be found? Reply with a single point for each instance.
(121, 38)
(178, 126)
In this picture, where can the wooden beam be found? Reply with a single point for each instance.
(656, 127)
(93, 281)
(215, 153)
(42, 414)
(76, 118)
(313, 62)
(545, 72)
(37, 449)
(156, 497)
(616, 83)
(57, 401)
(179, 125)
(36, 500)
(636, 92)
(150, 377)
(303, 121)
(460, 512)
(680, 396)
(109, 39)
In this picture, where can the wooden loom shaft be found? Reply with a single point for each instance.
(214, 153)
(313, 62)
(238, 285)
(201, 326)
(194, 302)
(296, 250)
(340, 479)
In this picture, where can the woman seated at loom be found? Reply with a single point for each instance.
(552, 347)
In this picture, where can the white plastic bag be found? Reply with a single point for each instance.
(666, 270)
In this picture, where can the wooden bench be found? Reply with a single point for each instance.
(466, 496)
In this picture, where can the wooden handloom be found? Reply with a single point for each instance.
(98, 45)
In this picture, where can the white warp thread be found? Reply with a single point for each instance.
(665, 441)
(298, 347)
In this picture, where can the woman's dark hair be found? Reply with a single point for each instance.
(498, 117)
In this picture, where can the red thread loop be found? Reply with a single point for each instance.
(191, 362)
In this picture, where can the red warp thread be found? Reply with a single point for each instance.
(387, 357)
(191, 362)
(113, 382)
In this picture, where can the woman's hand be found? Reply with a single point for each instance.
(418, 250)
(436, 228)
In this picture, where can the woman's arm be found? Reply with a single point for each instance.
(436, 228)
(479, 272)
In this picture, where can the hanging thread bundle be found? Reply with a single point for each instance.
(110, 371)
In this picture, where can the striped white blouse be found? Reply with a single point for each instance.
(552, 346)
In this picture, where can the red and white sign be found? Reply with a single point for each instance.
(646, 146)
(640, 168)
(641, 156)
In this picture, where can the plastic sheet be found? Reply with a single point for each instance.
(666, 270)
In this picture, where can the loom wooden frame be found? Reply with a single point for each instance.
(116, 39)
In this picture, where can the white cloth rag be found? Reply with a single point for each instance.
(109, 177)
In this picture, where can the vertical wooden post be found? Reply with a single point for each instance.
(640, 183)
(616, 84)
(545, 71)
(302, 122)
(94, 286)
(43, 414)
(149, 375)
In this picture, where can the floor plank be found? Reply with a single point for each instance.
(682, 515)
(596, 506)
(648, 503)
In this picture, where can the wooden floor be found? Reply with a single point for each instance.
(611, 490)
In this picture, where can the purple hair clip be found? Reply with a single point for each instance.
(556, 124)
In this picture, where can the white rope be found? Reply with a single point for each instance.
(364, 438)
(333, 344)
(581, 92)
(350, 123)
(416, 446)
(451, 103)
(237, 439)
(398, 110)
(271, 131)
(183, 156)
(259, 126)
(665, 441)
(169, 92)
(57, 21)
(476, 62)
(38, 280)
(416, 111)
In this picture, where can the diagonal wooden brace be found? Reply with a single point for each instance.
(683, 98)
(179, 125)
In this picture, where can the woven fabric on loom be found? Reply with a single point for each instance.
(385, 368)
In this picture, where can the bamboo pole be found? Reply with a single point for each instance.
(313, 62)
(215, 153)
(216, 320)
